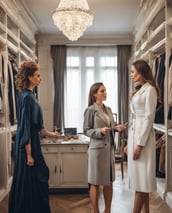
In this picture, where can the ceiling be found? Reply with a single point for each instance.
(110, 16)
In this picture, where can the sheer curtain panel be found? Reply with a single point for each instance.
(85, 66)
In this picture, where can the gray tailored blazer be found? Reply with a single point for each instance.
(101, 150)
(94, 120)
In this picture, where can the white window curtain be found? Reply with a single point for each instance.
(85, 66)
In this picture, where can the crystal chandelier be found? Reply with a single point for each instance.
(73, 17)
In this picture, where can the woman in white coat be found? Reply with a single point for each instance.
(141, 138)
(99, 125)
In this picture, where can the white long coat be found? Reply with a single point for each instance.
(141, 172)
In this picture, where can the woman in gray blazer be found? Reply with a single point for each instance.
(99, 125)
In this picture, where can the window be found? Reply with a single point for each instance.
(85, 66)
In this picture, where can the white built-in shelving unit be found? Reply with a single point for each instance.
(153, 36)
(17, 38)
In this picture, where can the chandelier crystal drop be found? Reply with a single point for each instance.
(73, 17)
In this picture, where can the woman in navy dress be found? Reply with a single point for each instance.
(29, 190)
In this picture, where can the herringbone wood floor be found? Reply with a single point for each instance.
(80, 203)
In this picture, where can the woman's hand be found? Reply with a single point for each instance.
(105, 130)
(44, 132)
(55, 134)
(30, 160)
(120, 127)
(137, 152)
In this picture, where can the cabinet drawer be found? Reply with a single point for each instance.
(50, 149)
(73, 148)
(64, 148)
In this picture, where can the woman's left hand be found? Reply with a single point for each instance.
(44, 132)
(137, 152)
(30, 160)
(55, 134)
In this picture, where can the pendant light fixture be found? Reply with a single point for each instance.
(73, 17)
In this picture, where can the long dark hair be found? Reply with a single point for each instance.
(93, 90)
(144, 69)
(28, 68)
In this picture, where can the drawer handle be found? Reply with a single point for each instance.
(55, 169)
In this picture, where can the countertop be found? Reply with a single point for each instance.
(47, 140)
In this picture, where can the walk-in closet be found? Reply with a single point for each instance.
(140, 29)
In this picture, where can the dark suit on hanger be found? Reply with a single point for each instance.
(160, 76)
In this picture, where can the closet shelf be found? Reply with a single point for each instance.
(13, 36)
(2, 39)
(149, 17)
(12, 47)
(170, 21)
(160, 127)
(154, 33)
(154, 49)
(136, 53)
(25, 55)
(170, 132)
(2, 27)
(2, 130)
(13, 128)
(158, 46)
(150, 39)
(2, 191)
(27, 48)
(10, 129)
(143, 46)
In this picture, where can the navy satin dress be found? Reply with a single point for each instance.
(29, 190)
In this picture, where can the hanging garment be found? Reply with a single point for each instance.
(170, 86)
(14, 72)
(2, 81)
(155, 66)
(170, 91)
(11, 94)
(160, 76)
